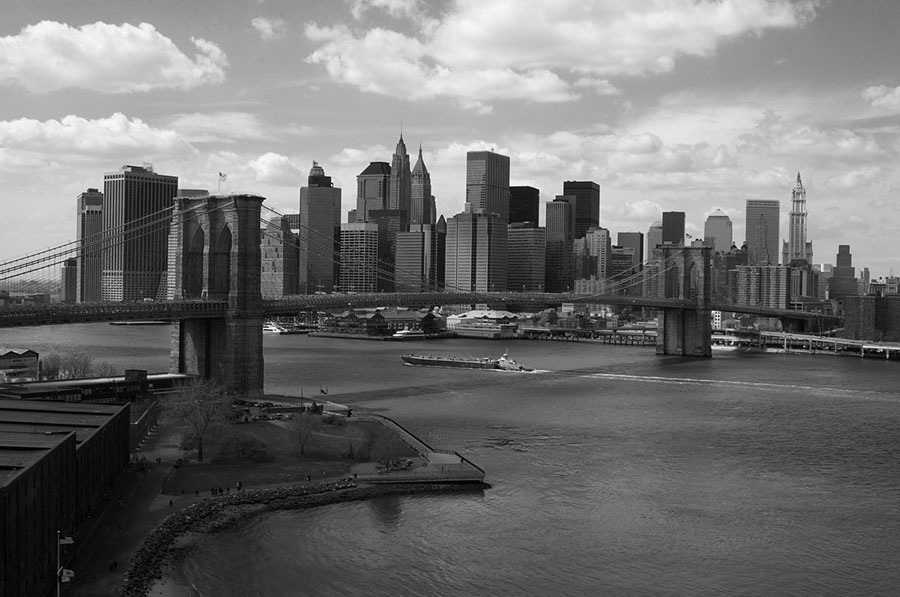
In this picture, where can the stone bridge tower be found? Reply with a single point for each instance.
(685, 274)
(217, 258)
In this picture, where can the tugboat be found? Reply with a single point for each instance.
(507, 364)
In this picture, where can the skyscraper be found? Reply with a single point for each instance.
(89, 264)
(421, 209)
(843, 281)
(762, 231)
(634, 240)
(319, 234)
(524, 205)
(526, 254)
(673, 227)
(420, 258)
(798, 249)
(476, 253)
(560, 261)
(400, 185)
(372, 186)
(136, 219)
(587, 204)
(487, 183)
(359, 257)
(654, 237)
(717, 232)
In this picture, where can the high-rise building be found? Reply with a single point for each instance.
(136, 220)
(279, 259)
(526, 254)
(487, 183)
(421, 209)
(420, 258)
(762, 231)
(70, 280)
(587, 204)
(560, 261)
(654, 237)
(390, 223)
(319, 233)
(621, 271)
(843, 281)
(400, 185)
(372, 187)
(476, 254)
(798, 248)
(673, 228)
(524, 205)
(634, 240)
(592, 254)
(651, 272)
(89, 264)
(717, 232)
(359, 257)
(763, 285)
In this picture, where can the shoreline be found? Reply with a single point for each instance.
(156, 567)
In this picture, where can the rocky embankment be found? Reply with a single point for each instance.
(171, 541)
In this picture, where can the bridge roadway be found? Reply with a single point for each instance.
(60, 313)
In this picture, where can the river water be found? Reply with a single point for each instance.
(613, 472)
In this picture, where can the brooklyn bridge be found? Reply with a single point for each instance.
(218, 310)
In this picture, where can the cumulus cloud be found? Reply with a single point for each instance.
(856, 179)
(479, 53)
(395, 8)
(105, 58)
(113, 136)
(269, 29)
(278, 169)
(882, 96)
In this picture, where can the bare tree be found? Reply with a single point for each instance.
(202, 407)
(302, 426)
(382, 446)
(73, 365)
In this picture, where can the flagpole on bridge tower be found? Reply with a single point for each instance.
(222, 178)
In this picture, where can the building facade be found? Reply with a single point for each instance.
(843, 281)
(372, 187)
(524, 205)
(359, 257)
(560, 259)
(673, 228)
(718, 232)
(476, 253)
(319, 233)
(526, 254)
(136, 218)
(587, 204)
(422, 208)
(487, 183)
(797, 247)
(400, 184)
(279, 259)
(763, 231)
(420, 258)
(89, 228)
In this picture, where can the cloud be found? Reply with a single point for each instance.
(269, 29)
(479, 53)
(882, 96)
(395, 8)
(218, 127)
(105, 58)
(116, 136)
(856, 179)
(277, 169)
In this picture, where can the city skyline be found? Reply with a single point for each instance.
(727, 104)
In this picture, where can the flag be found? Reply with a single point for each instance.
(66, 541)
(324, 391)
(222, 177)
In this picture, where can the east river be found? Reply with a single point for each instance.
(614, 472)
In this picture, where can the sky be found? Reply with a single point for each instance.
(669, 105)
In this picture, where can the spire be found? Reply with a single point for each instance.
(799, 183)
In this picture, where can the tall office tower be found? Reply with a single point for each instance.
(762, 231)
(487, 183)
(400, 185)
(136, 218)
(372, 186)
(526, 254)
(279, 259)
(70, 280)
(390, 223)
(421, 208)
(560, 261)
(420, 258)
(763, 285)
(598, 244)
(843, 281)
(587, 204)
(717, 232)
(621, 271)
(476, 256)
(634, 240)
(359, 257)
(798, 249)
(319, 234)
(89, 264)
(524, 205)
(654, 238)
(673, 228)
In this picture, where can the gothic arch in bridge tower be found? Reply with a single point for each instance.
(218, 260)
(685, 327)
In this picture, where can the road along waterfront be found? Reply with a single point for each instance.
(613, 471)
